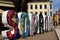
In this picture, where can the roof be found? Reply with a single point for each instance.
(6, 3)
(40, 0)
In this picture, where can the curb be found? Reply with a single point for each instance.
(57, 31)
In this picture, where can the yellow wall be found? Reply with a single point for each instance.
(56, 19)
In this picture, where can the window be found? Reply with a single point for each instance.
(45, 6)
(40, 12)
(50, 6)
(50, 13)
(35, 6)
(31, 12)
(45, 13)
(31, 7)
(35, 12)
(40, 6)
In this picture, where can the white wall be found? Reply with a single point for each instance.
(38, 8)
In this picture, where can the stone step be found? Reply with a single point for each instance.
(58, 32)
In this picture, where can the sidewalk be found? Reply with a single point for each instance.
(44, 36)
(0, 37)
(57, 30)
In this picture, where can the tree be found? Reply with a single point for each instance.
(21, 5)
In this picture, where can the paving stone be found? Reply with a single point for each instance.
(58, 32)
(44, 36)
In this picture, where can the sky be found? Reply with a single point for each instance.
(56, 5)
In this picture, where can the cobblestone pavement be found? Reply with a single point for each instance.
(45, 36)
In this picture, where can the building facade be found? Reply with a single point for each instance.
(45, 8)
(58, 12)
